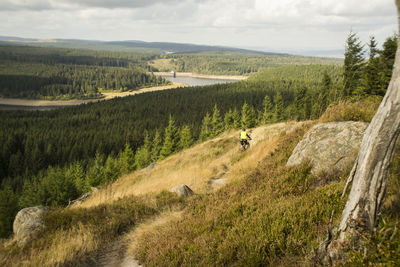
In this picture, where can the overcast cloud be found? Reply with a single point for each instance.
(270, 25)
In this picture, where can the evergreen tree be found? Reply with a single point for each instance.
(248, 116)
(111, 170)
(300, 102)
(186, 139)
(325, 91)
(156, 146)
(307, 106)
(353, 64)
(206, 128)
(279, 108)
(8, 210)
(370, 82)
(228, 120)
(170, 139)
(266, 116)
(95, 173)
(386, 59)
(217, 125)
(143, 154)
(127, 159)
(236, 119)
(30, 193)
(77, 174)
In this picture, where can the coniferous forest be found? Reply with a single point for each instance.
(52, 157)
(53, 73)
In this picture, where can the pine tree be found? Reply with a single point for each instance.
(77, 174)
(156, 146)
(228, 120)
(236, 119)
(248, 116)
(325, 91)
(170, 139)
(386, 61)
(8, 210)
(370, 82)
(279, 108)
(266, 116)
(300, 103)
(127, 159)
(206, 128)
(353, 65)
(217, 125)
(186, 139)
(112, 170)
(143, 154)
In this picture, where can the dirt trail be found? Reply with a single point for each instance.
(119, 253)
(115, 255)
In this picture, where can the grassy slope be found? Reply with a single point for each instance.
(266, 214)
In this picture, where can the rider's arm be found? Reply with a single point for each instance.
(249, 137)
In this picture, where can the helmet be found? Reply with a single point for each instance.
(244, 129)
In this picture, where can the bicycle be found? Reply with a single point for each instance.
(244, 145)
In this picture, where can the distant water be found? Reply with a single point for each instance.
(192, 81)
(29, 108)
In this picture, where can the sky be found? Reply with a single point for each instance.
(294, 26)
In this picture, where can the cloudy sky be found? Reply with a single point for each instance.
(269, 25)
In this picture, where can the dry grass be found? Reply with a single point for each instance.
(64, 247)
(216, 158)
(361, 110)
(270, 215)
(153, 227)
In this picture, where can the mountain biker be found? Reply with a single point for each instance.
(243, 138)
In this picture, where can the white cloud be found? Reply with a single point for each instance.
(314, 24)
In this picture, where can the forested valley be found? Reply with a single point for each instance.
(61, 73)
(52, 157)
(54, 73)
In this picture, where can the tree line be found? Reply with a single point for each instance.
(31, 72)
(367, 71)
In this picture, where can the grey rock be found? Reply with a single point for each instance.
(330, 147)
(82, 199)
(28, 223)
(151, 166)
(182, 190)
(214, 184)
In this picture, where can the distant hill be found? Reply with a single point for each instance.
(128, 46)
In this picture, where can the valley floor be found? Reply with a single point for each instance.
(74, 102)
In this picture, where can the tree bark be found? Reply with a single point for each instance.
(369, 174)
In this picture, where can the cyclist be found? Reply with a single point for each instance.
(244, 139)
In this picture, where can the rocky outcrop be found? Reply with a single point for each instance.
(83, 197)
(28, 223)
(182, 190)
(330, 147)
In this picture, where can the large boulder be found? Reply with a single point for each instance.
(28, 223)
(330, 147)
(182, 190)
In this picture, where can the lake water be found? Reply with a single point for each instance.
(192, 81)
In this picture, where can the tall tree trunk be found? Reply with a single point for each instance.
(369, 174)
